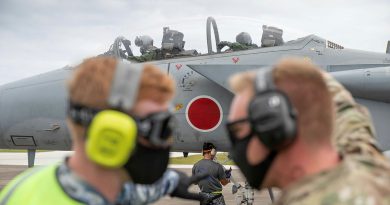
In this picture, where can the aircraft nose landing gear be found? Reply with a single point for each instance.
(31, 157)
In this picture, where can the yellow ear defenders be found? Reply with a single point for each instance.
(111, 138)
(111, 134)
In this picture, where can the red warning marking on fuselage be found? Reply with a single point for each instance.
(235, 59)
(204, 113)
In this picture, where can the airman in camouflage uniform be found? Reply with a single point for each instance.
(363, 176)
(334, 158)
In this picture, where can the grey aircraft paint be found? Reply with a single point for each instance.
(32, 111)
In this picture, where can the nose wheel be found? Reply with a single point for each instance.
(31, 157)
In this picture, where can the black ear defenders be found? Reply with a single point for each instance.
(271, 114)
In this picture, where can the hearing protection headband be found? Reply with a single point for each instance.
(124, 91)
(272, 117)
(123, 94)
(264, 80)
(112, 133)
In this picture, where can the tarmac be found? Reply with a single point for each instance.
(11, 164)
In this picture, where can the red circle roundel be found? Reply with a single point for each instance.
(204, 113)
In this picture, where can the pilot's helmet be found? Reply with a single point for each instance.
(244, 38)
(143, 41)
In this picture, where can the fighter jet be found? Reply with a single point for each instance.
(32, 110)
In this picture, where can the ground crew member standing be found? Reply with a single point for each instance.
(120, 155)
(295, 127)
(211, 187)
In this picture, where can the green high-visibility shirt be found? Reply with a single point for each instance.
(38, 186)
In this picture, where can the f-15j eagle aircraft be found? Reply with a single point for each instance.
(32, 110)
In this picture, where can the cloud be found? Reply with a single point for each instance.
(42, 35)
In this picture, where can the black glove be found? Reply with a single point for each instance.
(228, 173)
(185, 182)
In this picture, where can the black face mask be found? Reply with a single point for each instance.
(157, 127)
(147, 165)
(254, 174)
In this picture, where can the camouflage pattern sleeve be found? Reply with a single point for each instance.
(235, 46)
(148, 56)
(239, 47)
(139, 194)
(253, 45)
(353, 131)
(222, 44)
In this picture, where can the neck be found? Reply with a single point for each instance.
(106, 181)
(303, 160)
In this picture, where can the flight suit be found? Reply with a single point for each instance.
(236, 46)
(363, 175)
(147, 56)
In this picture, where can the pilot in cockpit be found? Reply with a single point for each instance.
(148, 50)
(172, 46)
(243, 42)
(145, 43)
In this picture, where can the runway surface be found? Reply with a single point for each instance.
(43, 158)
(11, 164)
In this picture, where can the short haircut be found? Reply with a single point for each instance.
(91, 82)
(305, 86)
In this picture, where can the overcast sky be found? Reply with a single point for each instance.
(37, 36)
